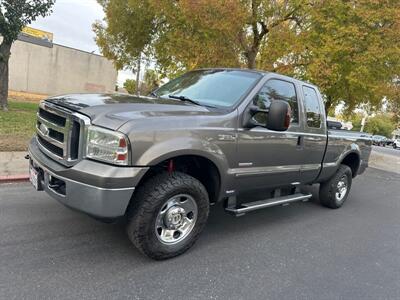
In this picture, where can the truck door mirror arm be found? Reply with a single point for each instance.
(251, 111)
(279, 116)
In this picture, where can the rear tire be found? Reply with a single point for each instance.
(168, 213)
(334, 192)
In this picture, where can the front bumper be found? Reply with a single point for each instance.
(97, 189)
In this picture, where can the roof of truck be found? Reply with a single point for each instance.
(263, 73)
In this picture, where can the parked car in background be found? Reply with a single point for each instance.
(379, 140)
(396, 144)
(389, 142)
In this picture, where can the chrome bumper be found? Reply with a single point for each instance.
(97, 196)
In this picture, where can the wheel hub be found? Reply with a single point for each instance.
(174, 217)
(341, 188)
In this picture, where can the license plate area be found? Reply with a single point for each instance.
(36, 177)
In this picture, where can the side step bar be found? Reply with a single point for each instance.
(248, 207)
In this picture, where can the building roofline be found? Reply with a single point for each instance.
(80, 50)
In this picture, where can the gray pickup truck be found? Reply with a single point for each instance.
(250, 139)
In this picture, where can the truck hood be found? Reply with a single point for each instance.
(113, 110)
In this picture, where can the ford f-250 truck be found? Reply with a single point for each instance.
(248, 138)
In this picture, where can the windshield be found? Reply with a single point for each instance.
(222, 88)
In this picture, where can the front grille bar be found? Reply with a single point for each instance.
(53, 125)
(61, 149)
(51, 140)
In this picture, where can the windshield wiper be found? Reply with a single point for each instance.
(184, 98)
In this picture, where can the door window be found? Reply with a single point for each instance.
(276, 89)
(312, 106)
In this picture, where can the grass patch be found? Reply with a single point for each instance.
(17, 125)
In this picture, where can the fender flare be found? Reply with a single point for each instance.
(184, 147)
(355, 149)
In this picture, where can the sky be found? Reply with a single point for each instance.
(71, 23)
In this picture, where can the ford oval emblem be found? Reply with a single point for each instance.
(44, 129)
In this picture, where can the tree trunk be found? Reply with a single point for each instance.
(328, 104)
(138, 75)
(4, 58)
(251, 59)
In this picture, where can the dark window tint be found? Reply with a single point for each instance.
(276, 89)
(313, 110)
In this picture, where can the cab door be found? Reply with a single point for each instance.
(269, 158)
(314, 135)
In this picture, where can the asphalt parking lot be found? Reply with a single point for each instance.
(302, 251)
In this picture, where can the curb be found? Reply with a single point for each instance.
(13, 178)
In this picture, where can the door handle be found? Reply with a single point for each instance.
(300, 142)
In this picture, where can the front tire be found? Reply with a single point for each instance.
(334, 192)
(168, 214)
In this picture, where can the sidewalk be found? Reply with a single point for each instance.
(385, 162)
(13, 165)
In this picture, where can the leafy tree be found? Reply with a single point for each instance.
(355, 120)
(130, 86)
(351, 50)
(381, 124)
(186, 34)
(14, 16)
(128, 31)
(393, 98)
(151, 81)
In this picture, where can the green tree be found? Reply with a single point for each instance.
(381, 124)
(128, 31)
(187, 34)
(14, 16)
(355, 120)
(351, 50)
(130, 86)
(393, 98)
(152, 81)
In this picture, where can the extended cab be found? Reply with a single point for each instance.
(248, 138)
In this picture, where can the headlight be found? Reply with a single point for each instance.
(107, 145)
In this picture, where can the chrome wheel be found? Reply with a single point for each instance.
(341, 188)
(176, 219)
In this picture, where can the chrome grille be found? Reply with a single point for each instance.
(61, 132)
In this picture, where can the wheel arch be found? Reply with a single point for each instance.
(352, 159)
(197, 165)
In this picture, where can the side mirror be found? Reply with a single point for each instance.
(279, 116)
(333, 125)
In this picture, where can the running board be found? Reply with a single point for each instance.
(284, 200)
